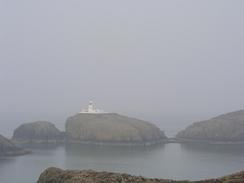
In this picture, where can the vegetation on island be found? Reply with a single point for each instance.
(225, 128)
(55, 175)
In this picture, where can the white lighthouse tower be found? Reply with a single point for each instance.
(91, 109)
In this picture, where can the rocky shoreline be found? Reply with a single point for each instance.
(160, 141)
(26, 144)
(121, 143)
(56, 175)
(187, 140)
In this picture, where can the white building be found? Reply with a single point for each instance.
(91, 109)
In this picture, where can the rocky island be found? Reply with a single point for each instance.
(224, 128)
(55, 175)
(7, 148)
(111, 128)
(37, 132)
(98, 127)
(91, 126)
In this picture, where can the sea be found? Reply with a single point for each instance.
(168, 161)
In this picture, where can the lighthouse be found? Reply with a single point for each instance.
(91, 109)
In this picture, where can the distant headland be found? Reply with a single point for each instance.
(226, 128)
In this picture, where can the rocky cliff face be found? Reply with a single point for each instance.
(226, 127)
(39, 131)
(110, 128)
(55, 175)
(7, 148)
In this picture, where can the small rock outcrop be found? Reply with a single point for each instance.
(7, 148)
(111, 128)
(227, 127)
(55, 175)
(39, 131)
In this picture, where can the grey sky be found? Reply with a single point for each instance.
(169, 62)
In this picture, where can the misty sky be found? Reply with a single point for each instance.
(168, 62)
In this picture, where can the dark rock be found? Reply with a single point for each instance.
(111, 128)
(39, 131)
(226, 127)
(55, 175)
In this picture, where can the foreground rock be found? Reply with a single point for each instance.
(7, 148)
(55, 175)
(227, 127)
(39, 131)
(111, 128)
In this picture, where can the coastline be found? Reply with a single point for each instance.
(126, 143)
(199, 141)
(118, 143)
(98, 143)
(53, 174)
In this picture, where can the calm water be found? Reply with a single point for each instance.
(174, 161)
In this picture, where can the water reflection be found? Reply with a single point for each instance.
(172, 161)
(40, 146)
(6, 160)
(109, 151)
(232, 149)
(109, 158)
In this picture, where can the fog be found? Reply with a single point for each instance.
(168, 62)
